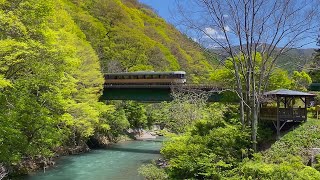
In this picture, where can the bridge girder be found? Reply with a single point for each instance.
(159, 93)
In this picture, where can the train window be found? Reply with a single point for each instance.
(126, 77)
(140, 77)
(107, 76)
(148, 76)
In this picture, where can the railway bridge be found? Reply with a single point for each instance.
(158, 93)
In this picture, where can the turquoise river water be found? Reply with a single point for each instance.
(120, 161)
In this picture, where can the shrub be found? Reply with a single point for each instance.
(152, 172)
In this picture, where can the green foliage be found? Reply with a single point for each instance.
(152, 172)
(216, 148)
(50, 76)
(185, 109)
(209, 149)
(117, 122)
(295, 143)
(317, 165)
(49, 79)
(294, 169)
(4, 82)
(279, 78)
(134, 36)
(314, 65)
(301, 80)
(159, 114)
(136, 114)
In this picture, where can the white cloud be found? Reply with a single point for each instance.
(195, 39)
(212, 46)
(212, 33)
(227, 28)
(226, 15)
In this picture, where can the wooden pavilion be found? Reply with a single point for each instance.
(283, 105)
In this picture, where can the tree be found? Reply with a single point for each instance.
(50, 80)
(117, 122)
(159, 113)
(136, 114)
(314, 66)
(241, 29)
(301, 80)
(188, 105)
(209, 148)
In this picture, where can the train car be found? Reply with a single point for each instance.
(146, 77)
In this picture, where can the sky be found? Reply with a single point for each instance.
(161, 7)
(164, 9)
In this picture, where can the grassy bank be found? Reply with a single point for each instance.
(287, 158)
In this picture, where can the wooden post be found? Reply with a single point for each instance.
(285, 102)
(292, 105)
(278, 119)
(305, 109)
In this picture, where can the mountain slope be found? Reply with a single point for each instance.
(128, 36)
(293, 60)
(53, 54)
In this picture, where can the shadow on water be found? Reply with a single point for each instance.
(146, 151)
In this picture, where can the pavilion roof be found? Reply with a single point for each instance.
(286, 92)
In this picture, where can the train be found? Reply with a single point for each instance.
(145, 77)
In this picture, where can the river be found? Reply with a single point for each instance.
(121, 161)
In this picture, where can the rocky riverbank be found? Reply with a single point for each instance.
(31, 164)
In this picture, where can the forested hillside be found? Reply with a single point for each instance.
(50, 80)
(294, 59)
(128, 36)
(53, 55)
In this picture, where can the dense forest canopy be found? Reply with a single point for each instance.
(53, 55)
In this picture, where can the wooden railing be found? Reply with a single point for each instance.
(295, 114)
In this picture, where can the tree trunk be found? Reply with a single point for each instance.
(242, 114)
(254, 125)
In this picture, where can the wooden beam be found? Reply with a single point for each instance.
(305, 99)
(283, 124)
